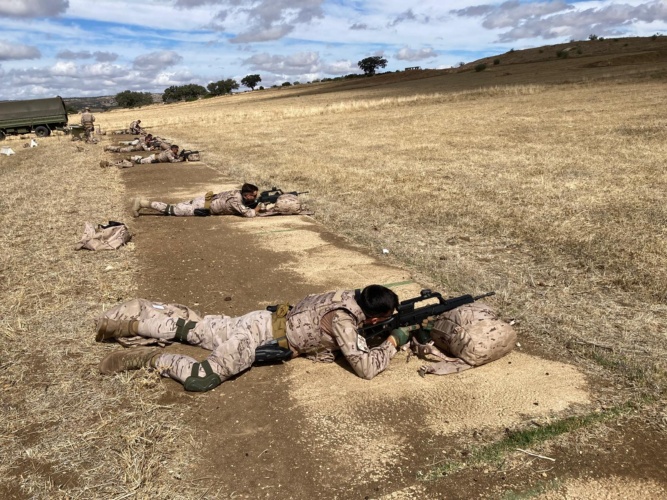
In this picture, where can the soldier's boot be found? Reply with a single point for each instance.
(108, 328)
(138, 204)
(128, 359)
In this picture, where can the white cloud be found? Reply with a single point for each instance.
(303, 62)
(10, 51)
(156, 61)
(32, 8)
(64, 69)
(558, 19)
(408, 54)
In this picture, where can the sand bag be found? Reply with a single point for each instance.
(474, 334)
(104, 237)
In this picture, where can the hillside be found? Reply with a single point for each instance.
(576, 61)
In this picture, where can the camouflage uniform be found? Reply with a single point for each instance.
(315, 327)
(88, 122)
(163, 157)
(225, 203)
(139, 146)
(135, 128)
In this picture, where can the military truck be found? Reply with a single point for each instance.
(40, 116)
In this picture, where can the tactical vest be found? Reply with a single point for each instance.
(165, 157)
(225, 203)
(303, 321)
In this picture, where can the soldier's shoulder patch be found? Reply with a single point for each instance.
(361, 344)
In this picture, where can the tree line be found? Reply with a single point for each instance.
(189, 92)
(192, 91)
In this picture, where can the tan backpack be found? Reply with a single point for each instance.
(104, 237)
(474, 334)
(288, 204)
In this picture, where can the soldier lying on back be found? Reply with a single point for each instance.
(316, 327)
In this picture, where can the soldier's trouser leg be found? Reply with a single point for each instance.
(112, 149)
(232, 340)
(186, 208)
(148, 159)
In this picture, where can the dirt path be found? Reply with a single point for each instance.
(301, 430)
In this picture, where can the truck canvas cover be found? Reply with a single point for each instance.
(41, 109)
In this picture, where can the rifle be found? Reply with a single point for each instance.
(186, 153)
(411, 319)
(271, 196)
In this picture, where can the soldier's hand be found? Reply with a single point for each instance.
(400, 336)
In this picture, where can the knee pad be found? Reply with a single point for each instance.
(195, 383)
(182, 329)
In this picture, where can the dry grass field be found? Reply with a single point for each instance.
(550, 194)
(548, 190)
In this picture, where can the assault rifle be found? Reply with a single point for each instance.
(411, 319)
(271, 196)
(186, 153)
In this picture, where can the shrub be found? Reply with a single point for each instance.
(286, 84)
(496, 62)
(562, 54)
(480, 67)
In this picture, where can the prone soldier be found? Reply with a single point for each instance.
(168, 156)
(316, 327)
(139, 144)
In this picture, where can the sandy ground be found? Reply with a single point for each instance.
(306, 428)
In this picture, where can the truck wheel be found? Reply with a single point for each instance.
(2, 135)
(42, 131)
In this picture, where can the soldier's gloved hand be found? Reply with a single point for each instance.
(202, 212)
(400, 336)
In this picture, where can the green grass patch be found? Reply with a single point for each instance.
(494, 453)
(533, 492)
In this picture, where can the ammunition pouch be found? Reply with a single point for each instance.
(202, 212)
(207, 200)
(279, 324)
(195, 383)
(182, 329)
(272, 353)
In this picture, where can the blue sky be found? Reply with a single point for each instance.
(79, 48)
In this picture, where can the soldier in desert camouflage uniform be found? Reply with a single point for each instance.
(315, 327)
(135, 127)
(88, 122)
(168, 156)
(234, 202)
(141, 144)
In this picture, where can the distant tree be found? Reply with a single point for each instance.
(286, 84)
(369, 64)
(251, 81)
(71, 110)
(222, 87)
(261, 88)
(480, 67)
(187, 92)
(130, 99)
(592, 37)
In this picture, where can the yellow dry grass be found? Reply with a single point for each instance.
(552, 195)
(66, 432)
